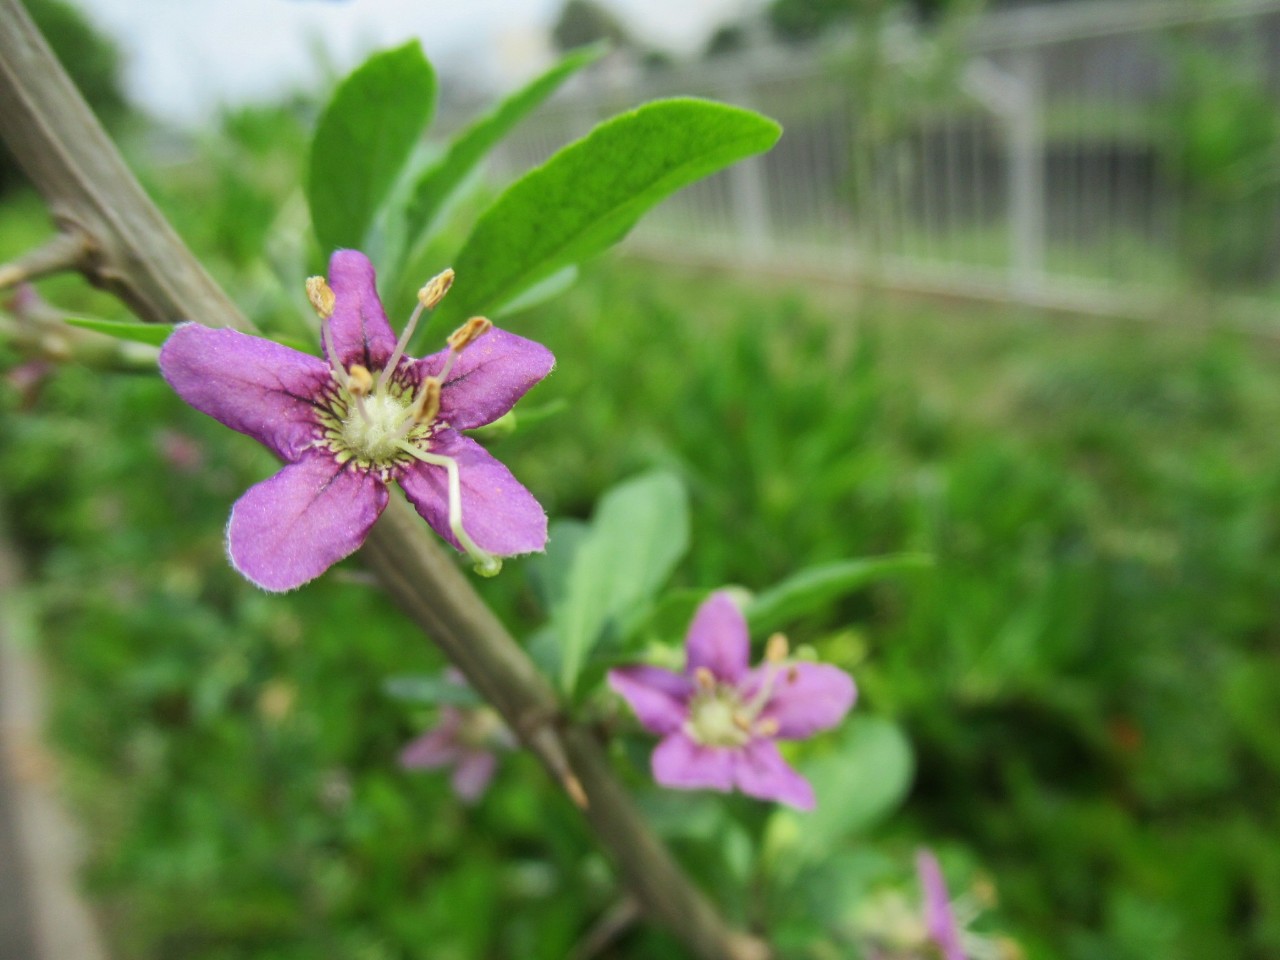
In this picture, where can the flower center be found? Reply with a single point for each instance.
(717, 718)
(375, 425)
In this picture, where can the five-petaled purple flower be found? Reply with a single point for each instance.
(364, 416)
(465, 738)
(719, 719)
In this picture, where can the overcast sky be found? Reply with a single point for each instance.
(187, 56)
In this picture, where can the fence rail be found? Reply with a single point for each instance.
(1059, 156)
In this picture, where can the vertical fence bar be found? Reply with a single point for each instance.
(1025, 145)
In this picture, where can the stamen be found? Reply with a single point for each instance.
(428, 297)
(776, 648)
(360, 380)
(767, 727)
(321, 296)
(705, 678)
(431, 294)
(487, 565)
(469, 333)
(427, 404)
(335, 367)
(742, 722)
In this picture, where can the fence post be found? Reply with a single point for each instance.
(749, 193)
(1026, 157)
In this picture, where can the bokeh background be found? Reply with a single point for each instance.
(1005, 293)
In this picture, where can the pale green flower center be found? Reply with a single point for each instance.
(718, 718)
(375, 432)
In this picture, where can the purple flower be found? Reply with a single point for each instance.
(364, 416)
(466, 739)
(719, 719)
(939, 919)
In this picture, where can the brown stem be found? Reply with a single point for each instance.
(131, 250)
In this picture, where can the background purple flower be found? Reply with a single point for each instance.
(939, 919)
(466, 739)
(365, 415)
(719, 719)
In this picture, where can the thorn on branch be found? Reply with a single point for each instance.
(63, 253)
(540, 734)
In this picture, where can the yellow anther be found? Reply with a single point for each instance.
(359, 381)
(427, 404)
(705, 678)
(469, 332)
(742, 722)
(776, 648)
(767, 727)
(431, 294)
(321, 296)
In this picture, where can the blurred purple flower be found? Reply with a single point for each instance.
(465, 738)
(939, 919)
(183, 453)
(719, 719)
(365, 415)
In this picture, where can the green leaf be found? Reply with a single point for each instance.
(588, 195)
(152, 333)
(857, 784)
(363, 139)
(430, 690)
(439, 182)
(812, 587)
(639, 532)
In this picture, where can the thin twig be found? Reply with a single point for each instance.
(137, 255)
(63, 253)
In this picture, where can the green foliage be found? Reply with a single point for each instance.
(638, 534)
(438, 182)
(589, 195)
(1222, 147)
(151, 333)
(363, 140)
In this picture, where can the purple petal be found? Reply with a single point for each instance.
(658, 697)
(472, 774)
(760, 771)
(938, 917)
(487, 379)
(359, 326)
(679, 762)
(252, 385)
(718, 639)
(438, 747)
(292, 527)
(497, 512)
(806, 697)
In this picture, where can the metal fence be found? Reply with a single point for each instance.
(1101, 155)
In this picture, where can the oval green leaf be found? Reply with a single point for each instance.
(363, 141)
(588, 195)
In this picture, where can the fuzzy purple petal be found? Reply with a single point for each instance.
(681, 763)
(718, 639)
(498, 513)
(759, 771)
(438, 747)
(473, 773)
(805, 698)
(939, 919)
(361, 333)
(292, 527)
(658, 697)
(488, 377)
(252, 385)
